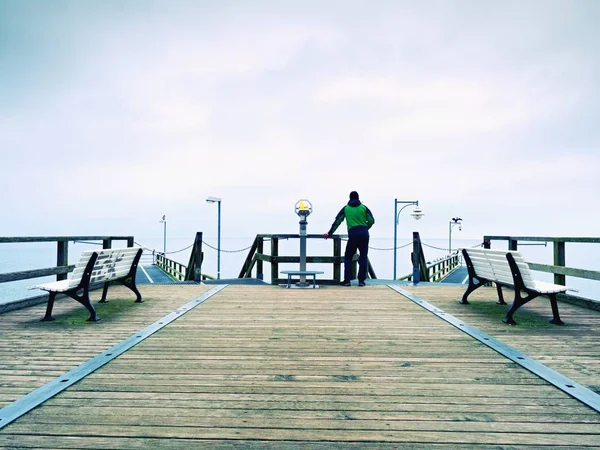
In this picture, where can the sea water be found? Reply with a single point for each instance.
(234, 250)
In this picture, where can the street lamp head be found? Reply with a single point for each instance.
(213, 200)
(417, 213)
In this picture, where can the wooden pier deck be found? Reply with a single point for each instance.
(265, 367)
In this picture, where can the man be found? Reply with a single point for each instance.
(358, 219)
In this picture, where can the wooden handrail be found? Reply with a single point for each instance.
(62, 267)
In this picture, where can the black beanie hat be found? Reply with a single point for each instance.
(353, 195)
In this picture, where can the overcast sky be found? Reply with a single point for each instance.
(113, 113)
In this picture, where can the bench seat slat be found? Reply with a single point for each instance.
(549, 288)
(57, 286)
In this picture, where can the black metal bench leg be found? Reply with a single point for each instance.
(517, 303)
(85, 301)
(472, 286)
(131, 285)
(88, 304)
(104, 292)
(500, 296)
(48, 317)
(509, 315)
(555, 317)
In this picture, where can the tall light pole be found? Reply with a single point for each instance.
(218, 201)
(417, 214)
(164, 222)
(453, 221)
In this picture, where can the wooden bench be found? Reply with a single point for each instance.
(94, 267)
(291, 273)
(508, 269)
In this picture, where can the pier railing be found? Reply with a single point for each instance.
(438, 269)
(257, 257)
(174, 269)
(181, 272)
(62, 267)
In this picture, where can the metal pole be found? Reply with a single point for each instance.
(303, 223)
(165, 238)
(396, 216)
(449, 237)
(395, 233)
(219, 243)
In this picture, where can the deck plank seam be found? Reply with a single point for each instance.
(23, 405)
(572, 388)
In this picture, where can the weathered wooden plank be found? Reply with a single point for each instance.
(411, 434)
(78, 442)
(561, 348)
(24, 239)
(583, 240)
(303, 414)
(45, 350)
(36, 273)
(295, 368)
(570, 271)
(132, 418)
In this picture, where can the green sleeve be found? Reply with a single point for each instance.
(338, 220)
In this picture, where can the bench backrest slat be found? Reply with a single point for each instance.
(503, 274)
(481, 263)
(524, 269)
(497, 267)
(111, 263)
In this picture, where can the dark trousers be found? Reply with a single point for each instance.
(358, 242)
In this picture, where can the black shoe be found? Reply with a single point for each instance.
(345, 283)
(361, 283)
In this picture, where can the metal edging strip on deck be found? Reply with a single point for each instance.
(19, 407)
(576, 390)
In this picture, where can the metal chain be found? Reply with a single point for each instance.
(168, 253)
(268, 239)
(144, 248)
(391, 248)
(432, 246)
(451, 250)
(204, 243)
(226, 251)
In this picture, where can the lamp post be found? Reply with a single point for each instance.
(453, 221)
(218, 201)
(164, 222)
(417, 214)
